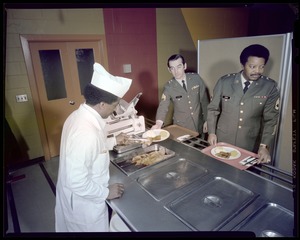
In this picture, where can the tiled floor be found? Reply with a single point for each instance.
(30, 205)
(31, 201)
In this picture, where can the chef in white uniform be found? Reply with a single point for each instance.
(83, 174)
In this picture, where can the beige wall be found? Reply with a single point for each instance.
(172, 37)
(212, 23)
(21, 116)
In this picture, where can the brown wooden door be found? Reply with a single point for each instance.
(61, 71)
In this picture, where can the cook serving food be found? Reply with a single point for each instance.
(82, 186)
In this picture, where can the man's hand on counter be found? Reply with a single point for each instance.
(263, 155)
(212, 139)
(116, 190)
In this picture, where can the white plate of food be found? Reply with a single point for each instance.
(227, 153)
(157, 135)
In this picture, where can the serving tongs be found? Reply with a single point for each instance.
(144, 141)
(248, 160)
(136, 139)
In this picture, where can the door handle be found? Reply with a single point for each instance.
(71, 102)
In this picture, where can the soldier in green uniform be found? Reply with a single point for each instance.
(187, 92)
(247, 120)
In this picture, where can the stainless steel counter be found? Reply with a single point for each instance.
(168, 209)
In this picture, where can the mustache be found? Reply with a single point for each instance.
(256, 74)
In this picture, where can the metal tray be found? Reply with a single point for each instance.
(211, 206)
(171, 177)
(126, 148)
(271, 220)
(178, 131)
(128, 167)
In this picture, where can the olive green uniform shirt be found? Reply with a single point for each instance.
(244, 120)
(190, 107)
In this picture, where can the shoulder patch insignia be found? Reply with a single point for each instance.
(277, 105)
(228, 75)
(163, 97)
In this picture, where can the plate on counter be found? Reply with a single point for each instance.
(227, 153)
(157, 135)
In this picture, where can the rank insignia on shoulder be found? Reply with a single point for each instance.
(228, 75)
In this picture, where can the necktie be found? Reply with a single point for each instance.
(247, 83)
(183, 85)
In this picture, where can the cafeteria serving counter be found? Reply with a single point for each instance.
(190, 191)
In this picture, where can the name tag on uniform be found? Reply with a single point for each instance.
(226, 97)
(178, 97)
(263, 97)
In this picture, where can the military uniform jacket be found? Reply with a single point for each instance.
(190, 108)
(244, 120)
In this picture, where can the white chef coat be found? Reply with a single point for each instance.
(83, 176)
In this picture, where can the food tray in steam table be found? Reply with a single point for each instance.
(142, 158)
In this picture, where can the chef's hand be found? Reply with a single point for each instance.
(263, 155)
(116, 190)
(122, 138)
(212, 139)
(158, 125)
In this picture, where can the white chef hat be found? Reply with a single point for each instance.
(116, 85)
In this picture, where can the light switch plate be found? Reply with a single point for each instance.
(22, 98)
(127, 68)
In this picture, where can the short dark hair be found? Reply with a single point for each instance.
(175, 57)
(94, 95)
(255, 50)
